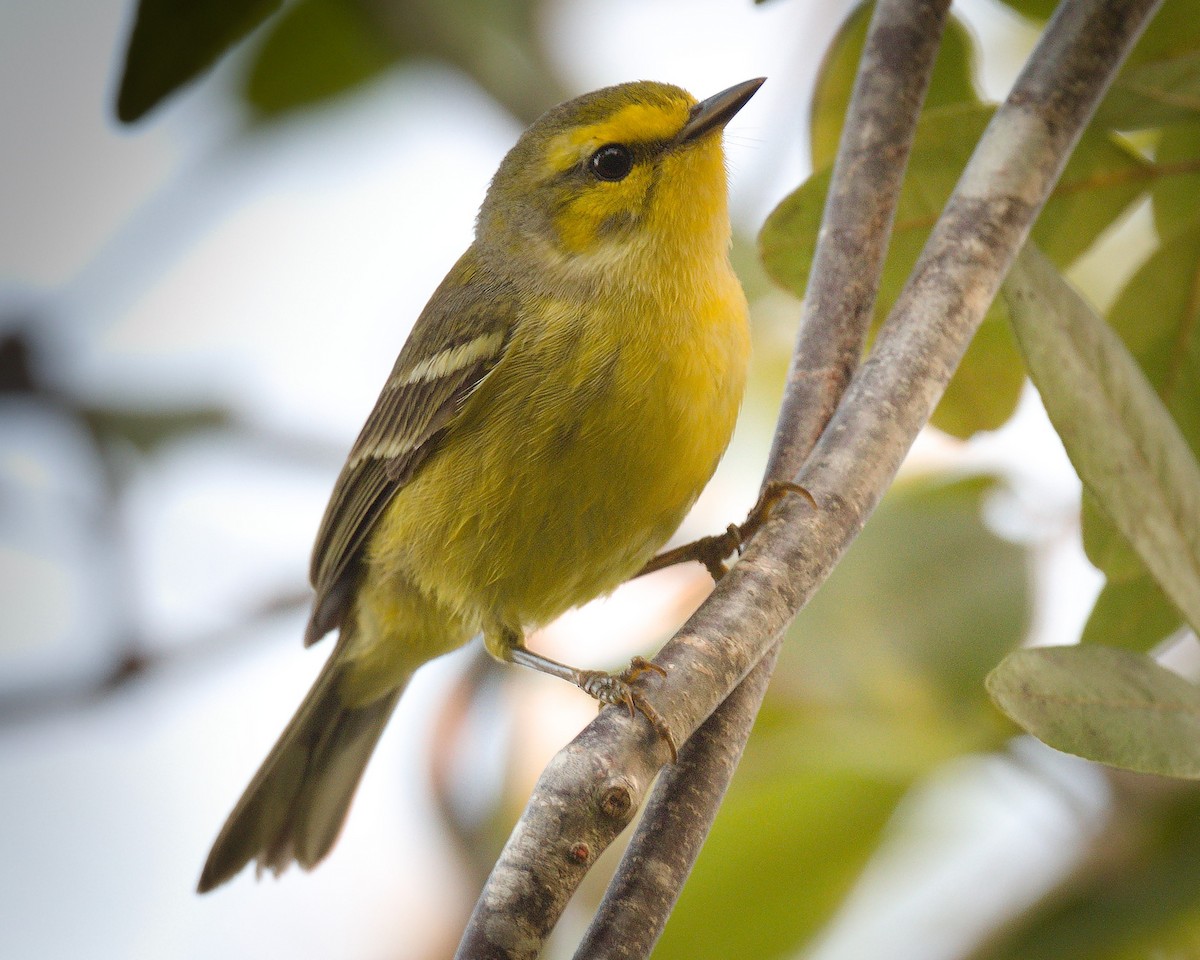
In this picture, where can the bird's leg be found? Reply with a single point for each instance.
(608, 688)
(712, 550)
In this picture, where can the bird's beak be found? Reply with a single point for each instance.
(718, 110)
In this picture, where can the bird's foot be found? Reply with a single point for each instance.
(617, 688)
(712, 550)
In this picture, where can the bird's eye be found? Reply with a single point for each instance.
(612, 162)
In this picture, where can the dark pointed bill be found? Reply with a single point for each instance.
(718, 109)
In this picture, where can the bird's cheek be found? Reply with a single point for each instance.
(575, 228)
(600, 216)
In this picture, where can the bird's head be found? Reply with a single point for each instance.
(615, 172)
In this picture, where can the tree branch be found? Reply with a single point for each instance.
(590, 790)
(889, 88)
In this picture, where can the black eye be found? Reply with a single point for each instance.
(612, 162)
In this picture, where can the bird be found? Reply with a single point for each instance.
(556, 410)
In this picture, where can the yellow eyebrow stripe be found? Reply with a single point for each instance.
(636, 122)
(453, 359)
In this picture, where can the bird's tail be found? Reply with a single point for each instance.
(294, 807)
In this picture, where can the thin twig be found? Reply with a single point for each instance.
(589, 791)
(893, 74)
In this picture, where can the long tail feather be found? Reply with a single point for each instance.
(295, 806)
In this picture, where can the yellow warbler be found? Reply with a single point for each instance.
(559, 405)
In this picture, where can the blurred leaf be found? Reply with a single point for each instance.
(1134, 614)
(1101, 180)
(782, 854)
(498, 43)
(883, 672)
(880, 681)
(1119, 435)
(1173, 30)
(1105, 547)
(1142, 903)
(987, 385)
(175, 40)
(944, 139)
(325, 47)
(1175, 197)
(1112, 706)
(911, 631)
(1160, 82)
(1158, 317)
(1164, 91)
(953, 78)
(1131, 611)
(315, 50)
(835, 83)
(951, 81)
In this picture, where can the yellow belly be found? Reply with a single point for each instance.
(571, 465)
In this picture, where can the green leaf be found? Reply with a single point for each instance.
(880, 681)
(1173, 30)
(1131, 611)
(943, 142)
(953, 77)
(1099, 183)
(316, 50)
(1143, 904)
(785, 852)
(987, 385)
(887, 661)
(1119, 436)
(1134, 614)
(1108, 551)
(1160, 82)
(175, 40)
(1101, 180)
(951, 81)
(1149, 95)
(835, 84)
(1175, 194)
(1113, 706)
(1157, 315)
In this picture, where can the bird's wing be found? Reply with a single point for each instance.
(456, 342)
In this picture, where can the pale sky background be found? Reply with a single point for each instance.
(280, 278)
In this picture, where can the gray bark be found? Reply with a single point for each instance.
(897, 61)
(591, 789)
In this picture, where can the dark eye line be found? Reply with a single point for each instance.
(642, 150)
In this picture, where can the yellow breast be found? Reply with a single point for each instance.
(579, 456)
(581, 451)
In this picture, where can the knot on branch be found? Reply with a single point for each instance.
(616, 800)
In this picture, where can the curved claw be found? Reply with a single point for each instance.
(615, 689)
(638, 666)
(712, 550)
